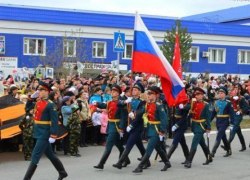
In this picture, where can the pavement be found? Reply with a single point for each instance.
(237, 166)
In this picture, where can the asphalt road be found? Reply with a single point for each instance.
(13, 167)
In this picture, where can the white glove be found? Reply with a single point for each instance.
(27, 117)
(123, 93)
(231, 127)
(52, 140)
(128, 100)
(121, 135)
(131, 115)
(236, 98)
(238, 113)
(161, 137)
(174, 127)
(208, 134)
(128, 129)
(181, 106)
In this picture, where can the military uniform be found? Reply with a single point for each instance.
(223, 111)
(156, 127)
(240, 107)
(115, 127)
(200, 116)
(26, 125)
(45, 127)
(74, 126)
(135, 127)
(179, 128)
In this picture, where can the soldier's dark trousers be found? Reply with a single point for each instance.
(237, 129)
(43, 146)
(179, 138)
(135, 138)
(221, 135)
(112, 139)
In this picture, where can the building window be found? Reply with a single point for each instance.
(127, 54)
(99, 49)
(34, 46)
(217, 55)
(244, 57)
(69, 48)
(194, 54)
(2, 44)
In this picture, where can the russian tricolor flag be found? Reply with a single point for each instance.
(148, 58)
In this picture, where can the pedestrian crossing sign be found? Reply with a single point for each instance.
(119, 42)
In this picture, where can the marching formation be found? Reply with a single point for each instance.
(62, 115)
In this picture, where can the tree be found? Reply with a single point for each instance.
(169, 43)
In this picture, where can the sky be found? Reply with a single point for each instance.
(175, 8)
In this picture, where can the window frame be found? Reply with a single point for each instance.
(96, 50)
(197, 54)
(124, 55)
(36, 48)
(239, 55)
(217, 55)
(74, 50)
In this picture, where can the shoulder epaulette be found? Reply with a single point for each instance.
(50, 101)
(228, 100)
(158, 103)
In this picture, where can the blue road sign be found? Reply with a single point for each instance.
(119, 42)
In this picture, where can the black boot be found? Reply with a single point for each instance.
(208, 156)
(123, 158)
(139, 168)
(242, 141)
(171, 150)
(30, 171)
(185, 152)
(147, 165)
(190, 158)
(103, 160)
(59, 167)
(228, 149)
(126, 162)
(216, 145)
(165, 159)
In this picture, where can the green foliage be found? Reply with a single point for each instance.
(169, 43)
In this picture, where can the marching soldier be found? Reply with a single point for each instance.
(157, 117)
(240, 107)
(45, 132)
(116, 125)
(200, 124)
(179, 128)
(223, 111)
(135, 125)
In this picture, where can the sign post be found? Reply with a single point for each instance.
(119, 46)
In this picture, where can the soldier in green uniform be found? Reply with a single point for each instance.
(45, 132)
(116, 126)
(200, 116)
(74, 126)
(240, 108)
(26, 125)
(156, 128)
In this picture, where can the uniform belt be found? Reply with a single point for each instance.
(177, 116)
(42, 122)
(199, 120)
(222, 115)
(114, 120)
(154, 122)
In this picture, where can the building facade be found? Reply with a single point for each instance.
(35, 35)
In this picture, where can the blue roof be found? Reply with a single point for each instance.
(224, 15)
(113, 20)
